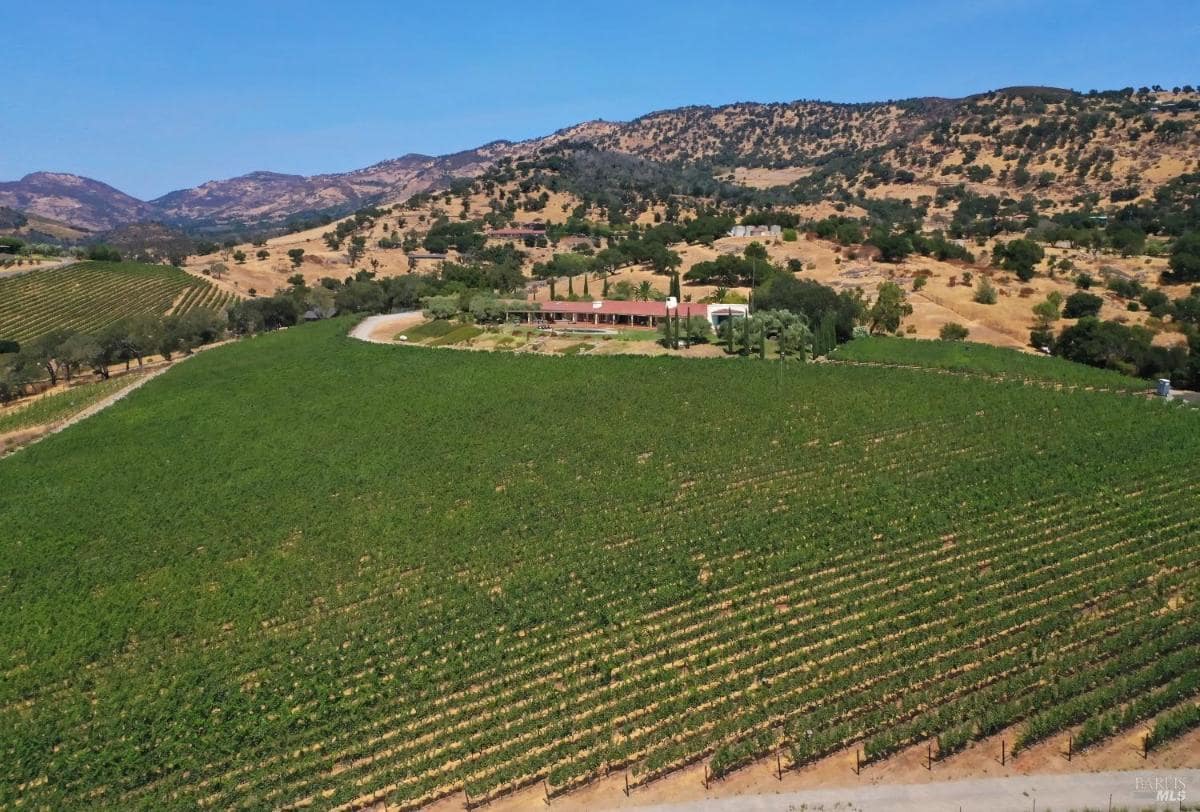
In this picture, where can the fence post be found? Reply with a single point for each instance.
(1002, 753)
(858, 762)
(706, 776)
(929, 756)
(1070, 747)
(779, 764)
(626, 784)
(1145, 747)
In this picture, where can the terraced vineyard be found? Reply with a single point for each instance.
(89, 296)
(529, 568)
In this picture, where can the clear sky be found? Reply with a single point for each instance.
(155, 95)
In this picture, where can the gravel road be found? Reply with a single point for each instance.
(380, 329)
(1100, 791)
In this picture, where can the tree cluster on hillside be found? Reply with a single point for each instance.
(1111, 344)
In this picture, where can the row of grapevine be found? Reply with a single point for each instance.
(512, 577)
(89, 296)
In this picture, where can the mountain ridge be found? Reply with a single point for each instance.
(771, 135)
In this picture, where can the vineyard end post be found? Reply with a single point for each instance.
(1002, 752)
(929, 756)
(1070, 747)
(779, 764)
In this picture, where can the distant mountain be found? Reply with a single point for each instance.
(253, 199)
(151, 242)
(267, 196)
(77, 201)
(1015, 140)
(36, 228)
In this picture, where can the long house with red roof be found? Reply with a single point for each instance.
(604, 313)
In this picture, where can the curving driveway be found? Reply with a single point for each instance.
(382, 329)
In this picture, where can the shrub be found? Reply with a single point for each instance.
(1079, 305)
(104, 253)
(1157, 302)
(985, 293)
(1042, 337)
(953, 331)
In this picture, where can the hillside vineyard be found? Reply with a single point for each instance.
(88, 297)
(306, 569)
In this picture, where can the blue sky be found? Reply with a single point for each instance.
(155, 96)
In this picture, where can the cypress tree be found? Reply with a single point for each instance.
(825, 337)
(676, 338)
(570, 287)
(604, 291)
(730, 327)
(552, 296)
(585, 286)
(746, 334)
(675, 286)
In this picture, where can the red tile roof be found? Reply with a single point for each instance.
(516, 232)
(611, 308)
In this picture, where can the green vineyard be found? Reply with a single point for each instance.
(983, 359)
(481, 571)
(89, 296)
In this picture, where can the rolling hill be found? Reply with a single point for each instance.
(1044, 141)
(77, 201)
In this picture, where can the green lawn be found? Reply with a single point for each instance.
(303, 568)
(430, 329)
(965, 356)
(462, 332)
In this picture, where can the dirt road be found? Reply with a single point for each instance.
(1106, 790)
(382, 329)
